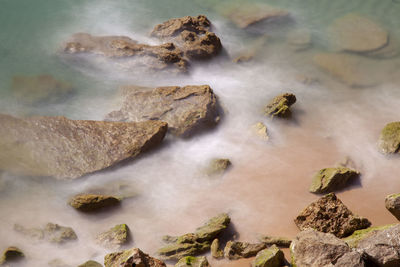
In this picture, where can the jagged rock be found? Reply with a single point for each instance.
(278, 241)
(52, 232)
(185, 109)
(40, 88)
(218, 166)
(389, 140)
(216, 252)
(358, 235)
(192, 244)
(329, 215)
(191, 34)
(131, 257)
(353, 259)
(331, 179)
(159, 57)
(235, 250)
(191, 261)
(356, 33)
(91, 202)
(279, 106)
(392, 204)
(260, 130)
(91, 264)
(11, 254)
(114, 237)
(299, 39)
(269, 257)
(63, 148)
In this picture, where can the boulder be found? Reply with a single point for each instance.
(389, 140)
(216, 252)
(269, 257)
(91, 264)
(192, 244)
(39, 89)
(329, 215)
(279, 106)
(92, 202)
(358, 235)
(392, 204)
(283, 242)
(131, 257)
(218, 166)
(331, 179)
(11, 254)
(235, 250)
(114, 237)
(63, 148)
(353, 259)
(53, 233)
(185, 109)
(191, 261)
(356, 33)
(260, 130)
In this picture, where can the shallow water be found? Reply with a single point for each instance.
(268, 184)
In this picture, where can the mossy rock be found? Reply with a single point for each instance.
(330, 179)
(191, 261)
(114, 237)
(11, 254)
(218, 166)
(216, 252)
(269, 257)
(283, 242)
(359, 235)
(389, 140)
(279, 106)
(93, 202)
(52, 232)
(131, 257)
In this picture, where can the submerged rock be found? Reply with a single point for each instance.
(91, 202)
(273, 240)
(269, 257)
(329, 215)
(191, 261)
(11, 254)
(63, 148)
(331, 179)
(185, 109)
(260, 130)
(216, 252)
(192, 244)
(279, 106)
(218, 166)
(52, 232)
(392, 204)
(114, 237)
(389, 140)
(91, 264)
(235, 250)
(131, 257)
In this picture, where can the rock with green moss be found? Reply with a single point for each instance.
(392, 204)
(269, 257)
(11, 254)
(279, 106)
(359, 235)
(115, 237)
(235, 250)
(218, 166)
(93, 202)
(131, 257)
(192, 244)
(279, 241)
(52, 232)
(216, 252)
(330, 179)
(91, 264)
(191, 261)
(389, 140)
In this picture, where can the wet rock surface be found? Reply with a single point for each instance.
(115, 237)
(392, 204)
(131, 257)
(235, 250)
(92, 202)
(329, 215)
(330, 179)
(11, 254)
(269, 257)
(279, 106)
(389, 139)
(192, 244)
(191, 261)
(63, 148)
(51, 232)
(185, 109)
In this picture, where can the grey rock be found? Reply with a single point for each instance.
(392, 204)
(235, 250)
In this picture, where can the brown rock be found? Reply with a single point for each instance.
(91, 202)
(330, 179)
(215, 251)
(329, 215)
(114, 237)
(63, 148)
(131, 257)
(279, 106)
(235, 250)
(11, 254)
(273, 240)
(185, 109)
(218, 166)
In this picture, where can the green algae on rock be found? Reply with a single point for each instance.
(91, 263)
(392, 204)
(279, 106)
(389, 139)
(11, 254)
(359, 235)
(93, 202)
(54, 233)
(269, 257)
(192, 244)
(114, 237)
(131, 257)
(235, 250)
(190, 261)
(330, 179)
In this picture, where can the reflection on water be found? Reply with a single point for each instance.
(267, 185)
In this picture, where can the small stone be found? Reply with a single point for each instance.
(389, 140)
(260, 130)
(216, 252)
(131, 257)
(92, 202)
(114, 237)
(278, 241)
(91, 264)
(392, 204)
(269, 257)
(235, 250)
(11, 254)
(191, 261)
(279, 106)
(331, 179)
(218, 166)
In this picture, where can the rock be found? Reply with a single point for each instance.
(11, 254)
(91, 264)
(389, 140)
(164, 57)
(279, 106)
(53, 233)
(235, 250)
(191, 34)
(63, 148)
(299, 39)
(278, 241)
(114, 237)
(218, 166)
(215, 251)
(392, 204)
(131, 257)
(185, 109)
(358, 235)
(269, 257)
(40, 88)
(245, 16)
(245, 57)
(121, 189)
(260, 130)
(353, 259)
(191, 261)
(356, 33)
(91, 202)
(192, 244)
(329, 215)
(331, 179)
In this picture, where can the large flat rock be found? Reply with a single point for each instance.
(64, 148)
